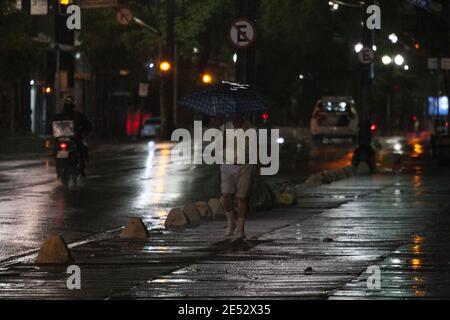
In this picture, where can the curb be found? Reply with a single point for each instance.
(327, 177)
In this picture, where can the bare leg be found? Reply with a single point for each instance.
(242, 214)
(228, 204)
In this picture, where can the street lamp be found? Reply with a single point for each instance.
(358, 47)
(386, 60)
(207, 78)
(406, 67)
(333, 5)
(393, 37)
(165, 66)
(399, 60)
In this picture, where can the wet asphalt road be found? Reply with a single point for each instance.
(124, 181)
(321, 248)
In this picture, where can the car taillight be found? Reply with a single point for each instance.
(63, 145)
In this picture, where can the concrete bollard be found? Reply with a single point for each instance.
(314, 181)
(192, 213)
(286, 199)
(135, 230)
(363, 169)
(327, 177)
(54, 250)
(216, 208)
(203, 209)
(176, 219)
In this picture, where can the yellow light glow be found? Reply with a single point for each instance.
(418, 148)
(124, 72)
(416, 263)
(64, 2)
(207, 78)
(165, 66)
(48, 90)
(418, 239)
(416, 249)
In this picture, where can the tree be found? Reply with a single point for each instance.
(19, 58)
(109, 47)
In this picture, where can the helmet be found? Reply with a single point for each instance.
(70, 100)
(69, 103)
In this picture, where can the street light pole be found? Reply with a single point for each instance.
(365, 152)
(246, 57)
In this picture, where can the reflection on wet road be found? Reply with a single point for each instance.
(124, 181)
(137, 180)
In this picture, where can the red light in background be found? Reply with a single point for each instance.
(373, 127)
(134, 118)
(63, 145)
(414, 118)
(265, 116)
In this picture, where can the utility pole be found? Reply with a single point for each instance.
(167, 82)
(365, 151)
(246, 61)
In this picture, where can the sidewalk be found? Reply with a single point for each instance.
(396, 222)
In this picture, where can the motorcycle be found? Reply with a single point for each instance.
(67, 155)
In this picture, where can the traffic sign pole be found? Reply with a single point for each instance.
(365, 151)
(243, 36)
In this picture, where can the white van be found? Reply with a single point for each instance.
(335, 117)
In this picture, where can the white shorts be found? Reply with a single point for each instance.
(237, 179)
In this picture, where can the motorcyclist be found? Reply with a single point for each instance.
(82, 128)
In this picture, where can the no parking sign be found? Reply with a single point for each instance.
(366, 55)
(242, 33)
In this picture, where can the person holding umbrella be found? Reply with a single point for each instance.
(232, 100)
(236, 179)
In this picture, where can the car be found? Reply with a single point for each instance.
(334, 117)
(151, 127)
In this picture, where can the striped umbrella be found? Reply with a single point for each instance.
(225, 98)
